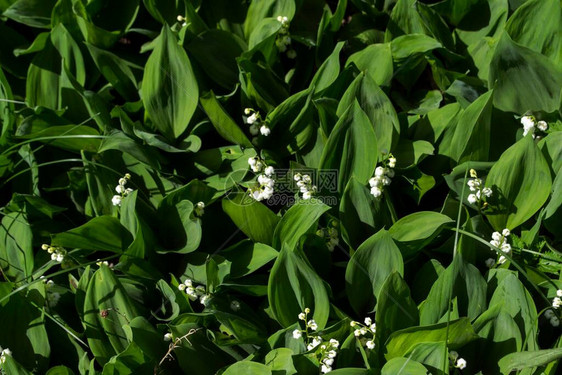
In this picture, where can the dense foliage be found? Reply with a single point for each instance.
(258, 187)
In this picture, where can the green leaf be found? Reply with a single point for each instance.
(523, 79)
(522, 360)
(459, 333)
(253, 218)
(376, 61)
(403, 366)
(521, 184)
(294, 285)
(460, 280)
(360, 214)
(471, 140)
(216, 52)
(117, 71)
(221, 120)
(101, 233)
(418, 229)
(395, 308)
(107, 308)
(16, 246)
(407, 45)
(34, 13)
(249, 368)
(179, 229)
(169, 88)
(296, 222)
(368, 268)
(537, 24)
(517, 302)
(378, 108)
(247, 257)
(351, 147)
(328, 71)
(281, 361)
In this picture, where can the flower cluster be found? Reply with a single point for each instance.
(383, 175)
(327, 355)
(457, 362)
(530, 123)
(500, 240)
(557, 301)
(331, 235)
(551, 316)
(255, 122)
(479, 192)
(57, 253)
(121, 190)
(327, 350)
(4, 353)
(199, 209)
(194, 293)
(304, 182)
(369, 330)
(283, 40)
(263, 190)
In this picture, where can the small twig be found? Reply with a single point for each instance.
(174, 345)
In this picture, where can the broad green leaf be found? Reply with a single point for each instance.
(471, 140)
(26, 333)
(407, 45)
(296, 222)
(101, 233)
(460, 280)
(328, 71)
(537, 24)
(249, 368)
(169, 87)
(458, 332)
(523, 79)
(351, 148)
(16, 246)
(403, 366)
(368, 268)
(43, 78)
(521, 184)
(247, 257)
(361, 215)
(516, 301)
(378, 108)
(116, 70)
(253, 218)
(60, 370)
(293, 286)
(281, 361)
(106, 309)
(179, 228)
(395, 308)
(376, 61)
(216, 52)
(418, 229)
(221, 120)
(34, 13)
(522, 360)
(259, 10)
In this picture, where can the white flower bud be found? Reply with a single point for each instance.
(506, 232)
(461, 364)
(542, 125)
(168, 337)
(371, 344)
(472, 199)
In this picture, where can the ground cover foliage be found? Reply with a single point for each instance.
(280, 187)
